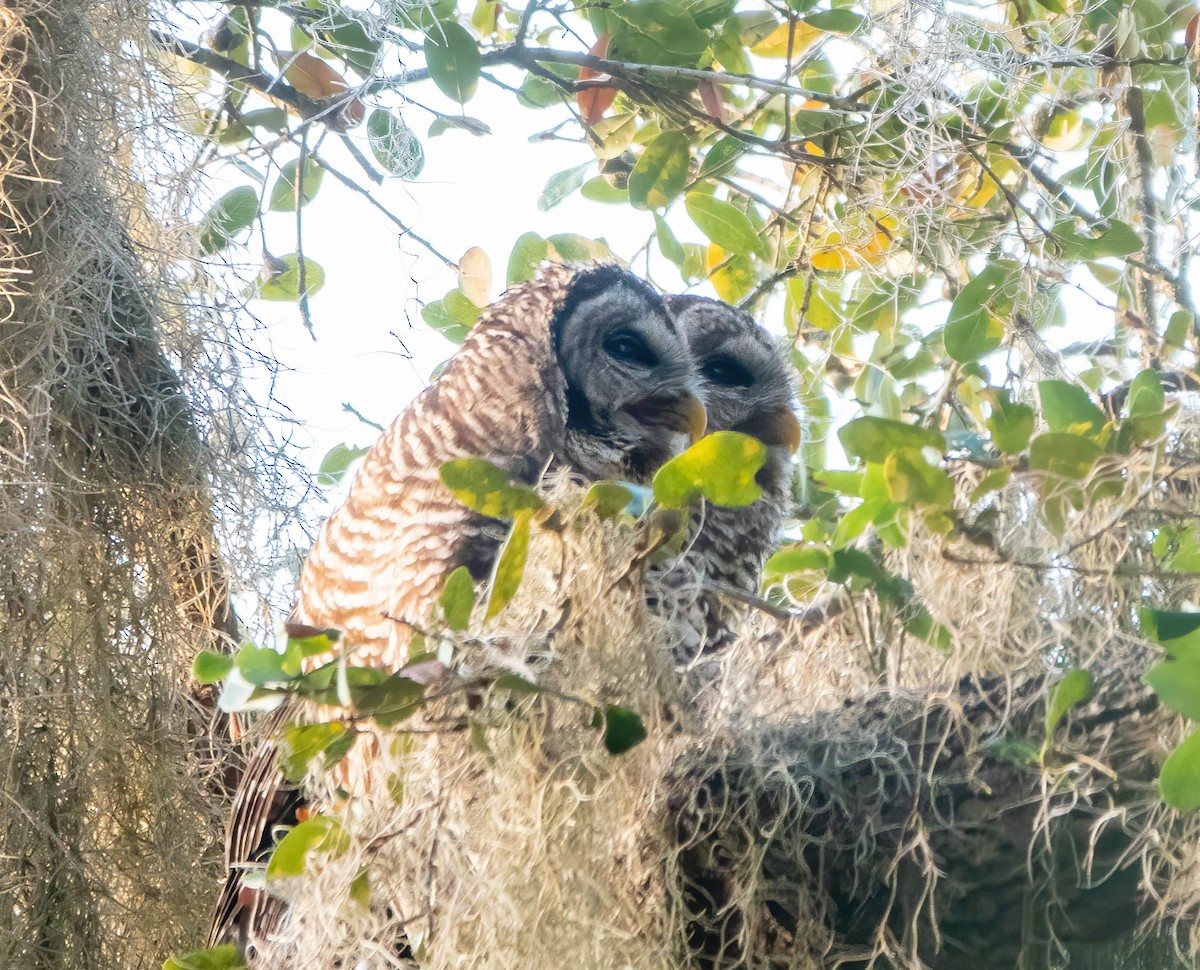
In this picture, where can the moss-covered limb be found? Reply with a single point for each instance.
(908, 829)
(114, 580)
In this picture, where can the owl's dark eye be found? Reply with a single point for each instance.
(629, 347)
(727, 372)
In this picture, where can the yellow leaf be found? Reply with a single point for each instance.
(510, 564)
(775, 44)
(732, 280)
(1066, 131)
(978, 192)
(835, 258)
(475, 275)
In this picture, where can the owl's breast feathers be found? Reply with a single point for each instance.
(379, 560)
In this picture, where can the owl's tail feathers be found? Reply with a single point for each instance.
(265, 801)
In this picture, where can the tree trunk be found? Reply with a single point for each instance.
(109, 570)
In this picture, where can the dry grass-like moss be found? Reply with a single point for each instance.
(767, 820)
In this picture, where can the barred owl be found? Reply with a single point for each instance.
(581, 368)
(746, 388)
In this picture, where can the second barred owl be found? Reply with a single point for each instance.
(582, 368)
(747, 388)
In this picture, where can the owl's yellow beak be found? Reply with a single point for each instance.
(688, 414)
(776, 429)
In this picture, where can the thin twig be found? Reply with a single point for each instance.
(301, 262)
(391, 216)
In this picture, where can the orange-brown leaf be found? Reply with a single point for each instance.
(593, 102)
(311, 76)
(710, 97)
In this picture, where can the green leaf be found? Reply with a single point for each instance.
(561, 185)
(453, 60)
(283, 283)
(668, 244)
(568, 247)
(510, 565)
(487, 489)
(528, 253)
(608, 499)
(972, 334)
(1146, 396)
(1178, 328)
(1068, 407)
(424, 16)
(350, 40)
(1074, 688)
(517, 685)
(390, 701)
(320, 833)
(210, 667)
(599, 189)
(330, 740)
(360, 889)
(911, 480)
(975, 325)
(1063, 455)
(655, 32)
(300, 649)
(720, 467)
(623, 729)
(853, 562)
(1176, 681)
(721, 157)
(260, 665)
(394, 145)
(1118, 239)
(724, 223)
(920, 623)
(1164, 626)
(1179, 780)
(1011, 426)
(1178, 549)
(457, 599)
(283, 194)
(336, 683)
(1147, 406)
(224, 957)
(660, 172)
(798, 558)
(274, 120)
(537, 92)
(873, 439)
(841, 21)
(336, 463)
(233, 212)
(452, 316)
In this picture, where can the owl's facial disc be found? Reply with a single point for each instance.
(631, 389)
(747, 387)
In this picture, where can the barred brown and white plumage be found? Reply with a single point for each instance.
(581, 368)
(747, 388)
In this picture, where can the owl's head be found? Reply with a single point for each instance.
(631, 388)
(746, 383)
